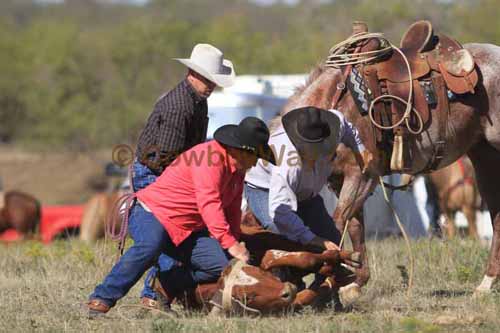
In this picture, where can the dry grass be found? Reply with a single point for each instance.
(42, 289)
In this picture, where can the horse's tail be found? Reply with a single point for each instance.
(120, 210)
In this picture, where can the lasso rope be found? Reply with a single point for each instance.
(405, 236)
(339, 56)
(125, 202)
(170, 315)
(227, 292)
(401, 227)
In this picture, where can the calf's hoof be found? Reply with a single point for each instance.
(349, 294)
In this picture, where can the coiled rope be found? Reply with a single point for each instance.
(341, 55)
(120, 211)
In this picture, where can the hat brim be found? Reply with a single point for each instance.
(227, 135)
(224, 80)
(321, 148)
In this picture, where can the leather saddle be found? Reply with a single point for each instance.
(426, 52)
(437, 64)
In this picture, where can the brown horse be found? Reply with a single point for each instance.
(457, 191)
(99, 206)
(472, 128)
(96, 213)
(19, 211)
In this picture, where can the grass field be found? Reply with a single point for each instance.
(43, 287)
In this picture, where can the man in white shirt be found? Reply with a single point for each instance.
(285, 198)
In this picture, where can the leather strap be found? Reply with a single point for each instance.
(441, 113)
(442, 119)
(341, 86)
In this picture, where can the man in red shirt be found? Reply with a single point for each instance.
(190, 213)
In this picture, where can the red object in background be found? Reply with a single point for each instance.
(55, 219)
(10, 235)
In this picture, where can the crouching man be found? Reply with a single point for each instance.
(285, 198)
(191, 213)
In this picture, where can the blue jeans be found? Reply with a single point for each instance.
(312, 211)
(142, 176)
(202, 258)
(150, 239)
(258, 201)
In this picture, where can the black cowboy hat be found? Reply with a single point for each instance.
(250, 134)
(313, 131)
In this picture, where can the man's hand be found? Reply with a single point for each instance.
(239, 251)
(324, 243)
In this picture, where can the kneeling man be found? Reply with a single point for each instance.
(191, 213)
(285, 198)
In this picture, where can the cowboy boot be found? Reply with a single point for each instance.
(97, 308)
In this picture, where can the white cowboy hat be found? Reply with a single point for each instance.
(209, 62)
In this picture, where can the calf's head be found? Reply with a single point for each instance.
(251, 288)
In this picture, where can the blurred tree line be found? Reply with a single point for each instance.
(85, 74)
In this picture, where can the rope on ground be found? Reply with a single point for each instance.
(405, 236)
(171, 315)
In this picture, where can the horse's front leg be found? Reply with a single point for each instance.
(355, 189)
(356, 230)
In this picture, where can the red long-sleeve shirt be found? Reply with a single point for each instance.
(200, 189)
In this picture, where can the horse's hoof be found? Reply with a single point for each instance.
(485, 287)
(480, 292)
(356, 257)
(349, 294)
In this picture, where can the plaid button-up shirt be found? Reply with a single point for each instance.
(178, 122)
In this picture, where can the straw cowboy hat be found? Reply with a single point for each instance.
(250, 134)
(313, 131)
(208, 61)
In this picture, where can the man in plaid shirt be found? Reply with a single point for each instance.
(178, 122)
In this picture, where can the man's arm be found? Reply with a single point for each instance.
(233, 214)
(349, 135)
(171, 123)
(283, 207)
(281, 201)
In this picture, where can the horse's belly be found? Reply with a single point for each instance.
(463, 129)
